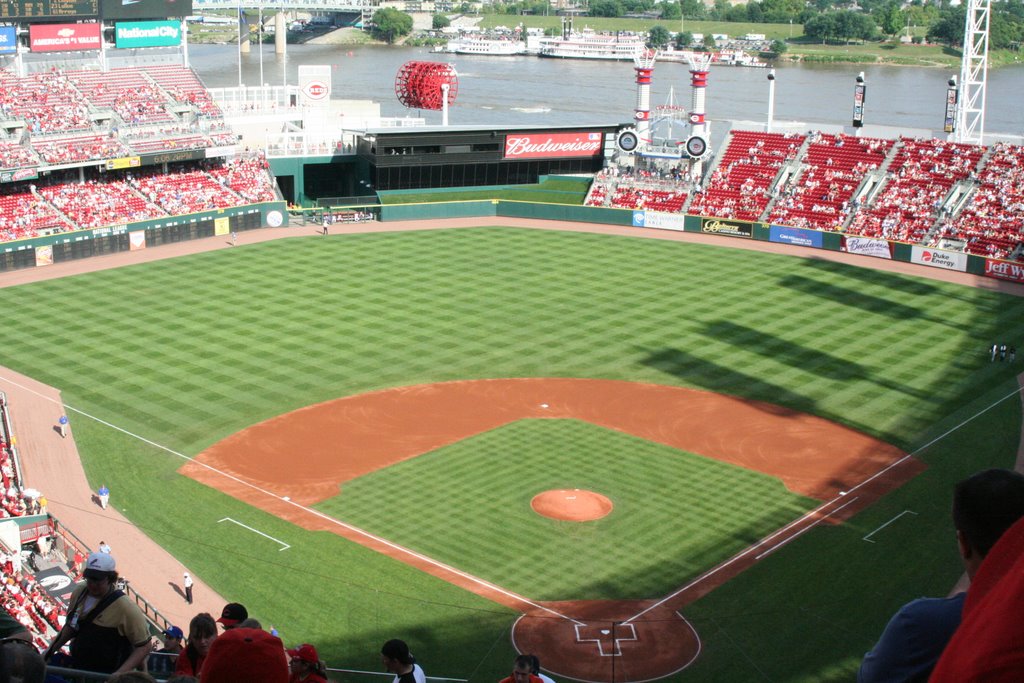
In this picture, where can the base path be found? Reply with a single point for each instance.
(51, 464)
(289, 462)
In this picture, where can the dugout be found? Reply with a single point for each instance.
(473, 156)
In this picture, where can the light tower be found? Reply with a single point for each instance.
(697, 143)
(970, 108)
(644, 67)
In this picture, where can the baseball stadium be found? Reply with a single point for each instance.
(541, 390)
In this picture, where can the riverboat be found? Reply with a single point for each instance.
(498, 47)
(592, 45)
(720, 58)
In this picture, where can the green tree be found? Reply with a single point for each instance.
(683, 40)
(440, 21)
(390, 24)
(670, 11)
(465, 8)
(606, 8)
(949, 28)
(658, 37)
(709, 42)
(754, 13)
(891, 19)
(778, 47)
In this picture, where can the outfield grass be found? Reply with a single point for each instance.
(676, 514)
(187, 351)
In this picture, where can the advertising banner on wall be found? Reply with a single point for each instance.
(20, 174)
(8, 39)
(137, 240)
(63, 37)
(553, 145)
(144, 9)
(1004, 270)
(314, 85)
(147, 34)
(718, 226)
(866, 246)
(800, 237)
(936, 258)
(661, 221)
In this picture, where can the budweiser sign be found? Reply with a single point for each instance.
(539, 145)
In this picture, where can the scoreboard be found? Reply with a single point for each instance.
(27, 10)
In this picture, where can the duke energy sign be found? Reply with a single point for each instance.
(147, 34)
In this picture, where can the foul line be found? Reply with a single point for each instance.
(820, 508)
(805, 529)
(331, 520)
(256, 531)
(905, 512)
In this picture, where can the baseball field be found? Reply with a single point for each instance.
(192, 357)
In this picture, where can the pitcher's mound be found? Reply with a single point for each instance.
(571, 505)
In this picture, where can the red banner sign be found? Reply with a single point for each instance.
(63, 37)
(537, 145)
(1005, 270)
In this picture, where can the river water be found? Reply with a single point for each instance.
(526, 90)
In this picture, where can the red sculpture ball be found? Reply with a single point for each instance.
(418, 84)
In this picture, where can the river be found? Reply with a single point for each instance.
(526, 90)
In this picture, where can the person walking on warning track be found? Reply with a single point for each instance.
(103, 493)
(188, 588)
(234, 238)
(62, 423)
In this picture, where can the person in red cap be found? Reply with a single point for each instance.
(232, 615)
(248, 655)
(305, 665)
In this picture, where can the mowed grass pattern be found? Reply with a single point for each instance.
(188, 351)
(468, 505)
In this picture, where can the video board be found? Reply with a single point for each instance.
(145, 9)
(27, 10)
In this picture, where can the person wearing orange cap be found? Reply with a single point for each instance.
(305, 665)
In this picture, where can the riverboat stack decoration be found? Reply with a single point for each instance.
(644, 67)
(700, 65)
(427, 85)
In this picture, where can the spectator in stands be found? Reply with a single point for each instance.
(987, 646)
(984, 507)
(245, 654)
(22, 662)
(232, 615)
(202, 631)
(107, 630)
(522, 671)
(164, 660)
(398, 660)
(305, 665)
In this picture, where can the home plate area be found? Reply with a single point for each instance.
(601, 641)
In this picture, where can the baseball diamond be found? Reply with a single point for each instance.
(384, 409)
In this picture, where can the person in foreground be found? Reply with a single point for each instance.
(107, 630)
(989, 645)
(398, 660)
(522, 671)
(245, 655)
(985, 505)
(305, 665)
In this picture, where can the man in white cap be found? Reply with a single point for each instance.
(107, 630)
(188, 588)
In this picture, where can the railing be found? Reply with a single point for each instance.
(327, 5)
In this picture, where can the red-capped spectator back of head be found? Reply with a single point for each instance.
(245, 655)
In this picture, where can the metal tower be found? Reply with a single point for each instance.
(970, 114)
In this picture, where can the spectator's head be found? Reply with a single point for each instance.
(173, 637)
(22, 662)
(249, 623)
(232, 615)
(396, 656)
(535, 665)
(304, 659)
(984, 506)
(245, 654)
(522, 669)
(100, 573)
(202, 631)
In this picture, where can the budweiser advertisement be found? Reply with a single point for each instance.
(63, 37)
(539, 145)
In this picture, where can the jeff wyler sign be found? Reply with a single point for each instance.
(541, 145)
(147, 34)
